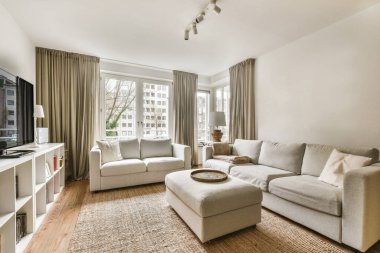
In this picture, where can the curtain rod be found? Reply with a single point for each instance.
(136, 64)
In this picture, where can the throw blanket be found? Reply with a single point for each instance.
(233, 159)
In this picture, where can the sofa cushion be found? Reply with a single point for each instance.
(163, 163)
(221, 165)
(310, 192)
(130, 149)
(155, 148)
(282, 156)
(110, 151)
(211, 199)
(250, 148)
(122, 167)
(316, 156)
(259, 175)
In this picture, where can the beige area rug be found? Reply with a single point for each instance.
(138, 219)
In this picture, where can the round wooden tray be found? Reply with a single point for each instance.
(208, 176)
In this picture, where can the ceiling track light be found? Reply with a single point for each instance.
(200, 17)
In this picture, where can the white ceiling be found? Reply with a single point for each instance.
(150, 32)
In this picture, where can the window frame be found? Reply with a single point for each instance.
(208, 110)
(139, 102)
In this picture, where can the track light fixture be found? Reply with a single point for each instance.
(200, 17)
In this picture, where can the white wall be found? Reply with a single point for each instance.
(325, 87)
(17, 52)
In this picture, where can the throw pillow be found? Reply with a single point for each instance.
(339, 164)
(220, 148)
(233, 159)
(110, 151)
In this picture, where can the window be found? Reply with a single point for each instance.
(222, 104)
(134, 104)
(203, 105)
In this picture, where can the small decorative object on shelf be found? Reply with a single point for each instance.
(61, 161)
(47, 170)
(16, 179)
(55, 158)
(20, 226)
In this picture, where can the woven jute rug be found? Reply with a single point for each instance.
(138, 219)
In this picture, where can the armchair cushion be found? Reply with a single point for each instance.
(123, 167)
(130, 149)
(110, 151)
(163, 163)
(156, 148)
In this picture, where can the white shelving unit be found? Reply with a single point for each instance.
(36, 192)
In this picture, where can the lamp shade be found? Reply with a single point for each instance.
(217, 119)
(38, 111)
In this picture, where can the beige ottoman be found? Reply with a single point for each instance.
(213, 209)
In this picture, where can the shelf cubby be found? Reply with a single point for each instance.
(8, 235)
(7, 193)
(24, 173)
(40, 169)
(28, 210)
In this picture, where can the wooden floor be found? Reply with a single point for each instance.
(55, 233)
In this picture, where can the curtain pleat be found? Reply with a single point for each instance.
(185, 110)
(68, 88)
(242, 101)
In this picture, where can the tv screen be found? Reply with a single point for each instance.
(16, 111)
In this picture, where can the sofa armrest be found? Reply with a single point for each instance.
(206, 154)
(182, 152)
(361, 207)
(95, 165)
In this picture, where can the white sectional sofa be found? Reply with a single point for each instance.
(288, 176)
(144, 162)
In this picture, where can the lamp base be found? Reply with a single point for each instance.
(217, 135)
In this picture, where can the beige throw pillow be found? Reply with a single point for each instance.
(221, 148)
(340, 163)
(110, 151)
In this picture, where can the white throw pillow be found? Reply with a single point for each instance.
(110, 151)
(339, 164)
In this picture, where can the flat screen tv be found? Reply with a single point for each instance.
(16, 111)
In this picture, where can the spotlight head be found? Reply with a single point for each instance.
(195, 30)
(217, 9)
(186, 34)
(200, 17)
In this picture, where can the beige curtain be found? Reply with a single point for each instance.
(242, 101)
(67, 87)
(185, 110)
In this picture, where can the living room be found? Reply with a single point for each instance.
(189, 126)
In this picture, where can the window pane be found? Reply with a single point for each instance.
(156, 110)
(222, 104)
(203, 104)
(120, 107)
